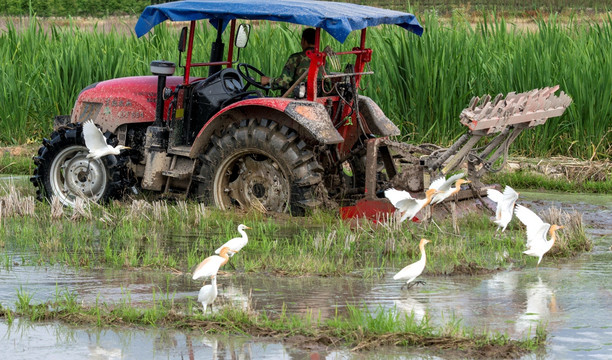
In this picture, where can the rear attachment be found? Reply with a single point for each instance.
(409, 167)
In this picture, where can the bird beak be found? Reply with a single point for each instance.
(246, 227)
(561, 227)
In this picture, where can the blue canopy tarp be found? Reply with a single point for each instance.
(338, 19)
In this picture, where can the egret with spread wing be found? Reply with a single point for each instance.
(537, 245)
(96, 142)
(406, 204)
(410, 272)
(505, 205)
(444, 187)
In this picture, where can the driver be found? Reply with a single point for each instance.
(295, 66)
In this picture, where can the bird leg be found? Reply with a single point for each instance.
(420, 282)
(230, 263)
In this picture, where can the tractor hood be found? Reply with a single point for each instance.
(120, 101)
(338, 19)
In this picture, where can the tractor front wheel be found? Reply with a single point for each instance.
(258, 164)
(64, 171)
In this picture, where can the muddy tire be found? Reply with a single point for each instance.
(63, 170)
(259, 164)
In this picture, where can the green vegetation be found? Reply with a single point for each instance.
(426, 84)
(177, 236)
(122, 7)
(360, 329)
(532, 180)
(73, 7)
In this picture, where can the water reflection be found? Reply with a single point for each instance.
(412, 307)
(541, 303)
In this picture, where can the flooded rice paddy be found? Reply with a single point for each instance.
(572, 297)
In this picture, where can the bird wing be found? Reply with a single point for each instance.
(510, 195)
(208, 267)
(443, 184)
(205, 293)
(438, 183)
(234, 244)
(536, 228)
(400, 199)
(94, 139)
(413, 270)
(494, 195)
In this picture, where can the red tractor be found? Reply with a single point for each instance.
(216, 140)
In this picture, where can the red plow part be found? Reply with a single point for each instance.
(371, 209)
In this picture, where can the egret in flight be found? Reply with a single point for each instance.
(410, 272)
(444, 187)
(210, 266)
(505, 205)
(208, 294)
(406, 204)
(96, 142)
(537, 245)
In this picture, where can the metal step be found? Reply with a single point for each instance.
(180, 150)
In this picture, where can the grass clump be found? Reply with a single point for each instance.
(532, 180)
(361, 329)
(177, 236)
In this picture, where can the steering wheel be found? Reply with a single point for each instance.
(244, 70)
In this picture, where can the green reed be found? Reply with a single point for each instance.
(421, 83)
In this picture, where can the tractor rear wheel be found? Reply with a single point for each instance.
(259, 164)
(63, 170)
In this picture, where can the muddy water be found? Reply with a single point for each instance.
(573, 297)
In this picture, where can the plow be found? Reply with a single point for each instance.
(493, 124)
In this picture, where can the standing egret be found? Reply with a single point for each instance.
(406, 204)
(413, 270)
(505, 205)
(208, 294)
(444, 187)
(210, 266)
(236, 244)
(96, 142)
(537, 245)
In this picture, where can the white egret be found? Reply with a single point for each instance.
(410, 272)
(210, 266)
(208, 294)
(236, 244)
(444, 187)
(96, 142)
(505, 205)
(406, 204)
(537, 245)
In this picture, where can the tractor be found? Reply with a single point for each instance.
(224, 141)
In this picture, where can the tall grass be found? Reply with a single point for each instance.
(421, 83)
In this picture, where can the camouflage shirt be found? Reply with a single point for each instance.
(293, 69)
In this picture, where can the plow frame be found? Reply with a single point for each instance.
(504, 118)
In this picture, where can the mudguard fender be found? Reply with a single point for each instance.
(306, 117)
(376, 120)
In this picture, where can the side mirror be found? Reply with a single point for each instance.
(242, 36)
(182, 40)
